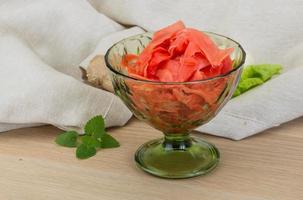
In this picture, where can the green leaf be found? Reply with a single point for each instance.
(109, 142)
(249, 83)
(83, 151)
(254, 75)
(90, 141)
(95, 127)
(237, 92)
(88, 144)
(263, 71)
(98, 135)
(266, 71)
(67, 139)
(248, 72)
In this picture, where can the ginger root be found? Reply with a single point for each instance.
(98, 75)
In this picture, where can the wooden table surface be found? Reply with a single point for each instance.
(266, 166)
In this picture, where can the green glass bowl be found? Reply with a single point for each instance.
(175, 108)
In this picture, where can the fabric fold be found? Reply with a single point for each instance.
(264, 107)
(41, 47)
(106, 42)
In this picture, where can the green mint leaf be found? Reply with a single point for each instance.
(95, 127)
(88, 144)
(254, 75)
(83, 151)
(107, 141)
(90, 141)
(98, 135)
(67, 139)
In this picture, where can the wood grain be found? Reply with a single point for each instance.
(266, 166)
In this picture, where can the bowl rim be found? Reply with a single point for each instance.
(239, 66)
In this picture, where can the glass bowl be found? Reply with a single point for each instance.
(175, 108)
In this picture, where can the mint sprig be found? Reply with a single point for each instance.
(95, 138)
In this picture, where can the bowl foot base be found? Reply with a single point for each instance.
(177, 159)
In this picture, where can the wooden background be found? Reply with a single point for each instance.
(266, 166)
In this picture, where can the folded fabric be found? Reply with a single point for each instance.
(41, 46)
(269, 105)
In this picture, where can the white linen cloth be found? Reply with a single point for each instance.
(43, 43)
